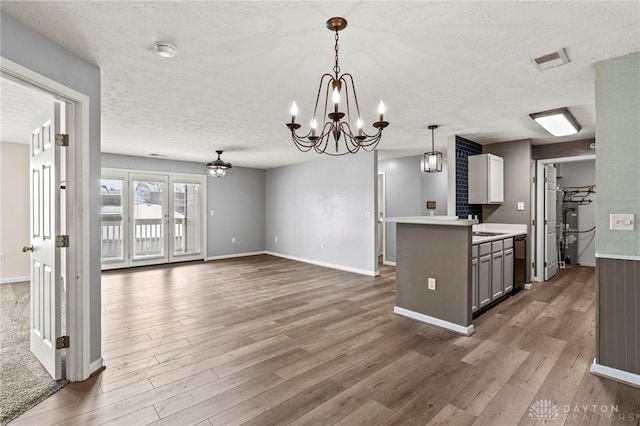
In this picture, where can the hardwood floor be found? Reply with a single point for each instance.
(263, 340)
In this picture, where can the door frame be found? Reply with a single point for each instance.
(78, 290)
(382, 194)
(539, 208)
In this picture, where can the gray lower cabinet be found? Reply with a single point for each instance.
(507, 275)
(497, 264)
(491, 272)
(484, 275)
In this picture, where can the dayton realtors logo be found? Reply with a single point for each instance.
(543, 410)
(546, 411)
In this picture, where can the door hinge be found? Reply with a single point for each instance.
(62, 342)
(534, 179)
(62, 241)
(533, 265)
(62, 139)
(533, 222)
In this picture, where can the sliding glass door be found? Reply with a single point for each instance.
(150, 218)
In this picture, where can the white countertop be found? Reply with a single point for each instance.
(506, 230)
(433, 220)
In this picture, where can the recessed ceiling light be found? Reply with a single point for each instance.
(164, 49)
(558, 122)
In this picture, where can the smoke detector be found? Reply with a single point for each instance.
(550, 60)
(164, 49)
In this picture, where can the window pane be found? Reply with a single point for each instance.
(186, 215)
(148, 214)
(112, 224)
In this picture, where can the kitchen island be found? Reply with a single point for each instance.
(439, 249)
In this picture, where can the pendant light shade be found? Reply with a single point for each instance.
(433, 159)
(218, 168)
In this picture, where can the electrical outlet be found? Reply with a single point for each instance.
(212, 213)
(321, 245)
(621, 222)
(276, 239)
(431, 283)
(3, 257)
(233, 239)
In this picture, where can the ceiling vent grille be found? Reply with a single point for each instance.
(551, 60)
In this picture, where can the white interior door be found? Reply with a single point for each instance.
(45, 225)
(550, 246)
(149, 219)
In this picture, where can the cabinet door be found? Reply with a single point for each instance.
(508, 270)
(484, 280)
(496, 275)
(474, 284)
(496, 180)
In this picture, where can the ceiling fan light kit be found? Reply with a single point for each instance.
(218, 168)
(344, 121)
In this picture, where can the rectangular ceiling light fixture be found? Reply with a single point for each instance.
(558, 122)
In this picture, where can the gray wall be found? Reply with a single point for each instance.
(581, 173)
(407, 190)
(37, 53)
(239, 206)
(448, 261)
(238, 202)
(324, 202)
(618, 191)
(517, 187)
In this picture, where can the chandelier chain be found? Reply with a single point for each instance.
(336, 68)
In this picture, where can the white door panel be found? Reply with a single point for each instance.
(45, 257)
(550, 247)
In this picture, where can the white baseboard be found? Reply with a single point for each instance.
(325, 264)
(615, 374)
(467, 331)
(15, 279)
(592, 265)
(389, 263)
(231, 256)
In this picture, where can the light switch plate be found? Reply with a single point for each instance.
(621, 222)
(520, 205)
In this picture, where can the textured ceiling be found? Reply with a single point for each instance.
(462, 65)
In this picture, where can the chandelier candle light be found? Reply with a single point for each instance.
(341, 87)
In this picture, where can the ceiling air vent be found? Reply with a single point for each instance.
(550, 60)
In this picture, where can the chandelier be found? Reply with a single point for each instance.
(433, 159)
(218, 168)
(344, 121)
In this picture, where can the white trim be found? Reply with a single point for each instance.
(622, 376)
(389, 263)
(384, 213)
(467, 331)
(326, 264)
(96, 365)
(15, 279)
(591, 265)
(78, 213)
(232, 256)
(617, 256)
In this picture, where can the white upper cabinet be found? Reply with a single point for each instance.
(486, 179)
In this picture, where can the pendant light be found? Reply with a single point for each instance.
(433, 159)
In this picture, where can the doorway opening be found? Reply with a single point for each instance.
(561, 228)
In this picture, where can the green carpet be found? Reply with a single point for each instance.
(23, 380)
